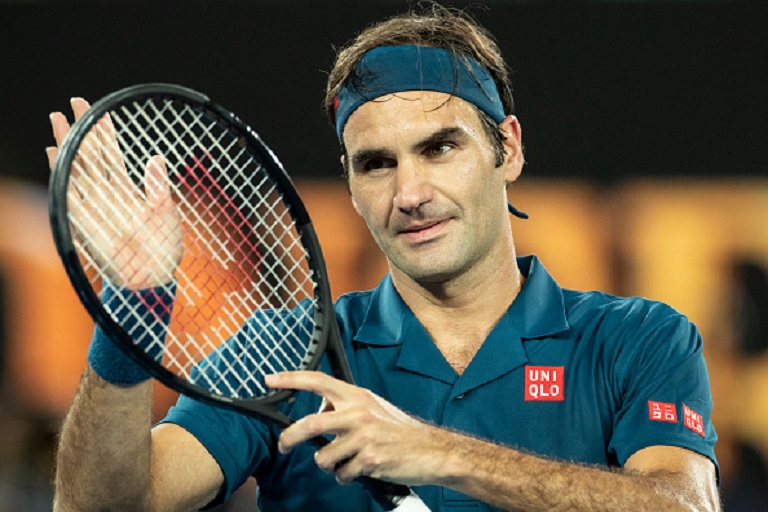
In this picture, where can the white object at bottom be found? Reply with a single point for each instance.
(412, 503)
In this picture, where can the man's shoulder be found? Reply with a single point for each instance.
(355, 299)
(353, 306)
(622, 312)
(628, 331)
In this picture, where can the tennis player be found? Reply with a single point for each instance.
(483, 383)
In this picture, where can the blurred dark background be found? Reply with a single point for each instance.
(604, 89)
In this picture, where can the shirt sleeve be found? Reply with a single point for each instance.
(664, 393)
(242, 446)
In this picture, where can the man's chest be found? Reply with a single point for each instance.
(554, 406)
(459, 355)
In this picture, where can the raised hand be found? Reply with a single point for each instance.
(130, 228)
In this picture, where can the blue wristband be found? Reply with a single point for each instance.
(134, 310)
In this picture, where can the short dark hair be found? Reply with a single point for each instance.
(429, 24)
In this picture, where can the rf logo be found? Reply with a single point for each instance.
(544, 383)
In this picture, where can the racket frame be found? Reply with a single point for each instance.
(325, 327)
(326, 339)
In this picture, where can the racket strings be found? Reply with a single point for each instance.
(244, 300)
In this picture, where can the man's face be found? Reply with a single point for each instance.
(422, 175)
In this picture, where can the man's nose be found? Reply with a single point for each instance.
(413, 187)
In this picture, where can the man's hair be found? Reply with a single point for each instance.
(431, 25)
(435, 26)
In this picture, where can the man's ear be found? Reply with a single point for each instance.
(513, 147)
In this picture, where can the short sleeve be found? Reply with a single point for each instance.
(665, 397)
(242, 446)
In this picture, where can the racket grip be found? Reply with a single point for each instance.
(387, 494)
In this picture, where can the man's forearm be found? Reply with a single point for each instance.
(103, 457)
(513, 480)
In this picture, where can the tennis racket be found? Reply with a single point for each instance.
(189, 246)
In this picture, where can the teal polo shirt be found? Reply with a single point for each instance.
(576, 376)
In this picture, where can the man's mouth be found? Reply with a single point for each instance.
(423, 231)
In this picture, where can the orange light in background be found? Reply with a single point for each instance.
(568, 230)
(48, 329)
(681, 236)
(352, 257)
(666, 240)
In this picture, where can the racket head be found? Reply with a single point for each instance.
(216, 167)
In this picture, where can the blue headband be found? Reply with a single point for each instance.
(389, 69)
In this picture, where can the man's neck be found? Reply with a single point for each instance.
(462, 311)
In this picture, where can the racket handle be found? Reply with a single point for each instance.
(387, 494)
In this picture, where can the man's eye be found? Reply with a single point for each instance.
(375, 164)
(440, 149)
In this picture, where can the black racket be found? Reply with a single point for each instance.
(158, 189)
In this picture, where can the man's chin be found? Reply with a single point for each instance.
(428, 271)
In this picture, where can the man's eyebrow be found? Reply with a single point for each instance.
(369, 154)
(451, 132)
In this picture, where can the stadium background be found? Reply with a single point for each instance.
(645, 126)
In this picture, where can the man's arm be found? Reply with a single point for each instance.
(656, 478)
(375, 438)
(109, 459)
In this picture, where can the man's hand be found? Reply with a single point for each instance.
(373, 437)
(134, 233)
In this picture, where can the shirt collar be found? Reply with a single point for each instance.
(537, 312)
(539, 309)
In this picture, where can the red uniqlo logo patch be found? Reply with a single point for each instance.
(544, 383)
(693, 420)
(662, 411)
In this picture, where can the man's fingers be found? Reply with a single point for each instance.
(59, 122)
(339, 453)
(60, 127)
(330, 420)
(51, 152)
(309, 427)
(79, 107)
(156, 181)
(317, 382)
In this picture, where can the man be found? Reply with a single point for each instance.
(483, 384)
